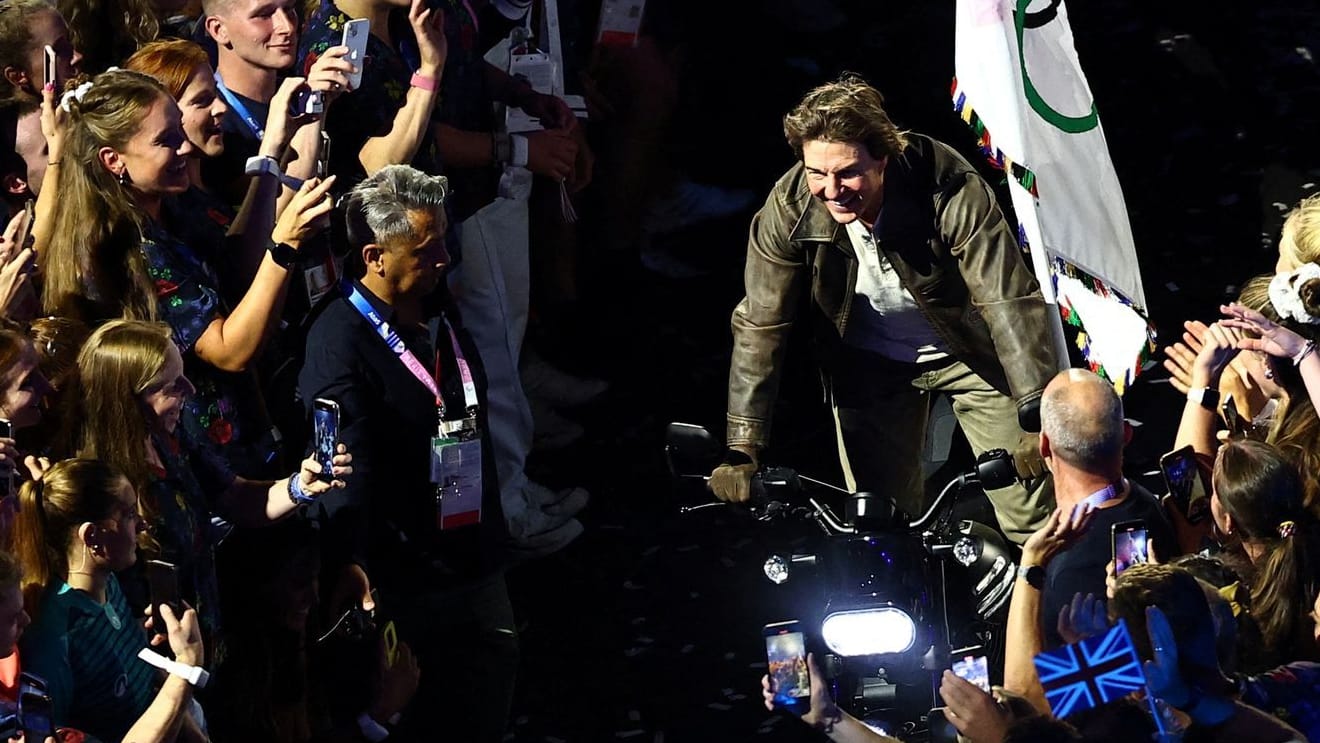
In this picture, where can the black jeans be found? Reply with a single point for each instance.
(466, 644)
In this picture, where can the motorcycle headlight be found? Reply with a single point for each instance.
(869, 631)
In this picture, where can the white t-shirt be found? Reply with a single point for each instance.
(885, 318)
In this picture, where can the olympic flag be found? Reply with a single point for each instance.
(1020, 87)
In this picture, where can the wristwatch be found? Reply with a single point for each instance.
(284, 255)
(1206, 397)
(1034, 575)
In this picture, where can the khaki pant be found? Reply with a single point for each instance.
(880, 413)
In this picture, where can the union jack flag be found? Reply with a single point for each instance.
(1090, 673)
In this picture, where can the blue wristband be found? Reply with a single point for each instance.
(296, 493)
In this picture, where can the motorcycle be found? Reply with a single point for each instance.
(891, 598)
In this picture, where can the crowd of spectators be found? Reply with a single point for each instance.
(218, 217)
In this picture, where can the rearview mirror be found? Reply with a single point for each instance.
(690, 450)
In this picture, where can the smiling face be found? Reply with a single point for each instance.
(262, 33)
(202, 110)
(846, 178)
(22, 390)
(162, 400)
(155, 159)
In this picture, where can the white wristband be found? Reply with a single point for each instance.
(1307, 350)
(267, 165)
(372, 730)
(519, 155)
(194, 675)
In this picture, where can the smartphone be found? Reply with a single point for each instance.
(786, 651)
(7, 467)
(163, 578)
(35, 714)
(1129, 543)
(323, 158)
(972, 667)
(356, 33)
(1237, 425)
(1186, 483)
(306, 102)
(325, 425)
(48, 56)
(391, 637)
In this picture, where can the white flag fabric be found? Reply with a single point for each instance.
(1019, 86)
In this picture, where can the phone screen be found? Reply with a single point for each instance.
(163, 579)
(1183, 477)
(974, 669)
(1129, 546)
(786, 651)
(325, 423)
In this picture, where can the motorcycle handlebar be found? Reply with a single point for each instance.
(994, 469)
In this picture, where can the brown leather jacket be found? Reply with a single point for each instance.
(951, 247)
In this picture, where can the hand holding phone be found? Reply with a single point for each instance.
(1186, 483)
(972, 667)
(786, 652)
(1129, 541)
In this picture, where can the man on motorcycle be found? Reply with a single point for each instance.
(917, 286)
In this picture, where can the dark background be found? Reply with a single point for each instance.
(647, 628)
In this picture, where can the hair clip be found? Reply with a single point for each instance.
(1287, 529)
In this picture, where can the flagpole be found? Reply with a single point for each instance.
(1063, 360)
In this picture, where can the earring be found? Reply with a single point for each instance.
(123, 178)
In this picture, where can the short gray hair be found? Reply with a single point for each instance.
(376, 210)
(1082, 416)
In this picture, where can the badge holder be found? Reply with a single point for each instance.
(456, 473)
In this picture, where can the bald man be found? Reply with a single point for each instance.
(1081, 440)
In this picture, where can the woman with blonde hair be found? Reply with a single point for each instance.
(131, 392)
(78, 525)
(111, 253)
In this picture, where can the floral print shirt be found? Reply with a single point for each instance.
(188, 300)
(183, 495)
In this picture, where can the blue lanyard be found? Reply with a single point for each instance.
(239, 108)
(409, 360)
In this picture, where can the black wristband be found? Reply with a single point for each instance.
(285, 255)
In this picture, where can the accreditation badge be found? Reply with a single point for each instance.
(456, 472)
